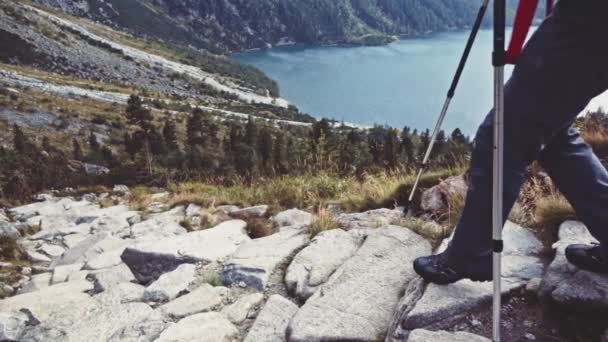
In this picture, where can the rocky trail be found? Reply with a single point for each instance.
(114, 274)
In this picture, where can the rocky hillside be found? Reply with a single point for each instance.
(90, 268)
(232, 25)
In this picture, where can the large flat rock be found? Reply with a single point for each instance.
(149, 260)
(566, 285)
(292, 217)
(243, 308)
(203, 299)
(313, 266)
(147, 329)
(445, 303)
(203, 327)
(420, 335)
(68, 299)
(254, 261)
(370, 219)
(358, 301)
(160, 226)
(171, 284)
(271, 323)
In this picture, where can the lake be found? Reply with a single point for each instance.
(404, 83)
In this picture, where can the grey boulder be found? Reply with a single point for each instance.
(369, 219)
(313, 266)
(292, 217)
(358, 301)
(254, 261)
(170, 285)
(420, 335)
(203, 327)
(444, 303)
(271, 323)
(566, 285)
(150, 260)
(203, 299)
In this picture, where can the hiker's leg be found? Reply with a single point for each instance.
(563, 66)
(581, 177)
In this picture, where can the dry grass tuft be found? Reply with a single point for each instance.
(551, 212)
(140, 197)
(10, 250)
(428, 229)
(324, 220)
(259, 227)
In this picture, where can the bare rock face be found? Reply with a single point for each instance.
(357, 302)
(436, 198)
(444, 303)
(171, 284)
(243, 308)
(203, 327)
(566, 285)
(272, 321)
(148, 261)
(251, 212)
(421, 335)
(369, 219)
(292, 217)
(12, 325)
(203, 299)
(254, 261)
(313, 266)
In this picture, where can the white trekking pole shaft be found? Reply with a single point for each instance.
(498, 61)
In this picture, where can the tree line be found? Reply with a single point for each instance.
(204, 148)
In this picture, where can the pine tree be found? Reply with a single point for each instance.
(76, 150)
(20, 141)
(391, 145)
(170, 135)
(440, 145)
(458, 138)
(141, 117)
(132, 146)
(425, 140)
(251, 132)
(265, 148)
(407, 145)
(279, 157)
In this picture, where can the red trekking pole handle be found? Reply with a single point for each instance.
(523, 21)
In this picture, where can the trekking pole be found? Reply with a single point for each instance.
(463, 60)
(499, 59)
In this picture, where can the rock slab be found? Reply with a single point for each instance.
(271, 324)
(203, 299)
(313, 266)
(443, 304)
(566, 285)
(148, 261)
(358, 301)
(203, 327)
(254, 261)
(420, 335)
(170, 285)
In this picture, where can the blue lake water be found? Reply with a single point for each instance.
(404, 83)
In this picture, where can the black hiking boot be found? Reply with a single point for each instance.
(439, 270)
(588, 257)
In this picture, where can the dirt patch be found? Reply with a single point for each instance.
(525, 319)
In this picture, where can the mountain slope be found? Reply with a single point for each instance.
(230, 25)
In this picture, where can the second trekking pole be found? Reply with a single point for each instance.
(463, 60)
(498, 61)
